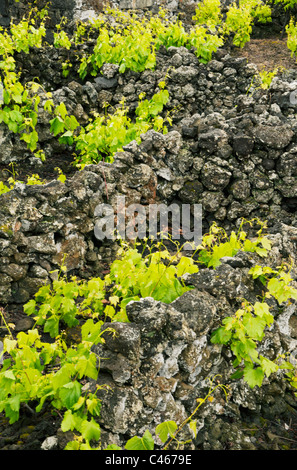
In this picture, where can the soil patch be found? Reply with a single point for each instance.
(267, 54)
(47, 170)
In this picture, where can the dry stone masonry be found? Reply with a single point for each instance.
(160, 363)
(86, 9)
(232, 148)
(230, 151)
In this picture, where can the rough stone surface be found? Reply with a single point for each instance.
(173, 358)
(231, 152)
(233, 161)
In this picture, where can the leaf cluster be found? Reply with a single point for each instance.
(37, 372)
(240, 19)
(245, 330)
(132, 44)
(168, 431)
(20, 110)
(217, 245)
(106, 135)
(242, 332)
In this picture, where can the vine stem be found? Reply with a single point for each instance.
(10, 334)
(5, 323)
(200, 403)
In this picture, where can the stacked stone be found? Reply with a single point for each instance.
(232, 152)
(161, 362)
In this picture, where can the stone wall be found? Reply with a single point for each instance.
(231, 152)
(86, 9)
(158, 365)
(83, 9)
(10, 9)
(4, 13)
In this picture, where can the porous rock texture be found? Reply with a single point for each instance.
(161, 362)
(231, 151)
(86, 9)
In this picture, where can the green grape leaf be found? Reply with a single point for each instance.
(248, 246)
(70, 393)
(245, 348)
(16, 116)
(57, 126)
(68, 305)
(253, 376)
(237, 375)
(14, 402)
(91, 331)
(94, 406)
(8, 374)
(66, 138)
(186, 265)
(261, 251)
(221, 336)
(52, 326)
(256, 271)
(62, 376)
(62, 110)
(165, 429)
(87, 367)
(265, 243)
(30, 307)
(9, 345)
(254, 326)
(72, 445)
(90, 430)
(193, 427)
(269, 367)
(13, 127)
(262, 310)
(141, 443)
(71, 123)
(69, 421)
(12, 408)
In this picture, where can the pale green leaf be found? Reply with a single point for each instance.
(90, 430)
(166, 429)
(69, 422)
(253, 376)
(141, 443)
